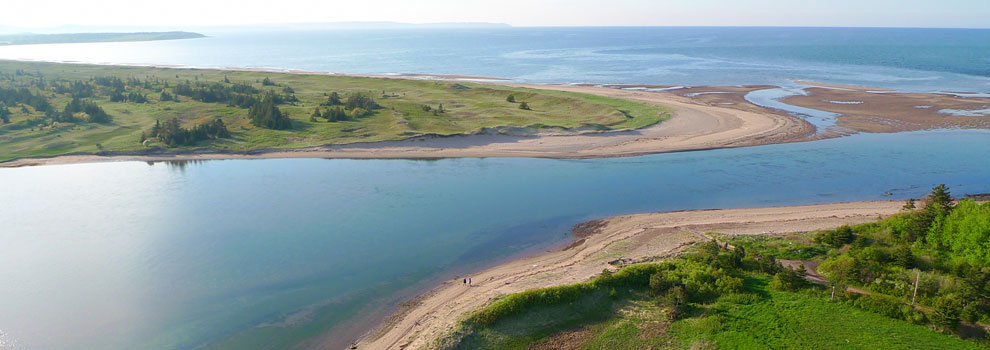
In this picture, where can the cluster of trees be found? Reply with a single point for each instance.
(266, 114)
(436, 111)
(237, 94)
(12, 97)
(935, 256)
(130, 97)
(356, 105)
(94, 113)
(171, 132)
(522, 105)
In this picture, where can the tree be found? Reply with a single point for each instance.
(903, 256)
(524, 106)
(267, 82)
(837, 237)
(266, 114)
(965, 232)
(333, 100)
(947, 310)
(940, 196)
(909, 205)
(510, 99)
(4, 113)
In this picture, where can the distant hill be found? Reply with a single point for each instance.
(29, 38)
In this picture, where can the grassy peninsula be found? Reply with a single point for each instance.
(49, 109)
(916, 280)
(27, 39)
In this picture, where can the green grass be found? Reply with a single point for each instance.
(789, 320)
(470, 108)
(758, 318)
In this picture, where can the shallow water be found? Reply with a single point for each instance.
(131, 255)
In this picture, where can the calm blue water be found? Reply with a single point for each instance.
(131, 255)
(905, 59)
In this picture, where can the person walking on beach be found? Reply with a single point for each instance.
(469, 281)
(464, 281)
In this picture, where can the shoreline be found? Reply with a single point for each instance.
(638, 237)
(597, 245)
(694, 125)
(704, 118)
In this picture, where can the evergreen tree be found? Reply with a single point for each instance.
(4, 113)
(909, 205)
(266, 114)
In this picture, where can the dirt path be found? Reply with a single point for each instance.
(694, 126)
(638, 237)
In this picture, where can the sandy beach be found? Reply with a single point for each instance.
(695, 125)
(640, 237)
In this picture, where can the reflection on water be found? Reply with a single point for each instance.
(124, 255)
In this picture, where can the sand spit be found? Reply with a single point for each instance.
(639, 237)
(694, 126)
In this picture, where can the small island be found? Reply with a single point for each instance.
(29, 39)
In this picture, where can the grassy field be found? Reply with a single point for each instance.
(759, 318)
(469, 108)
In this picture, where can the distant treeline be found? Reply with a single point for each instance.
(262, 105)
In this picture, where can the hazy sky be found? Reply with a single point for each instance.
(887, 13)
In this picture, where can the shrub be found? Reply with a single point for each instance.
(729, 284)
(837, 237)
(947, 312)
(524, 106)
(880, 304)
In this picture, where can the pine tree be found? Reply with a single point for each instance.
(909, 205)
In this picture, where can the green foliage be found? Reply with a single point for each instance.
(786, 280)
(172, 134)
(965, 232)
(903, 257)
(947, 312)
(4, 113)
(511, 99)
(524, 106)
(266, 114)
(837, 237)
(94, 114)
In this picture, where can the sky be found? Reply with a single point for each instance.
(178, 13)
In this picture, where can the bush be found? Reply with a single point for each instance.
(947, 312)
(729, 285)
(880, 304)
(837, 237)
(524, 106)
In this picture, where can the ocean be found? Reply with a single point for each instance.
(893, 58)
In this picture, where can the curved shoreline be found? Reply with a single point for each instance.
(638, 237)
(694, 126)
